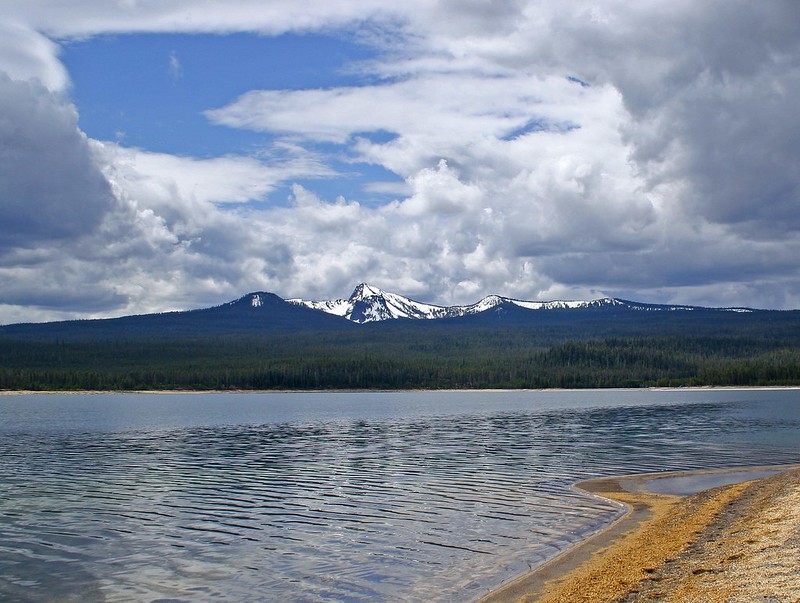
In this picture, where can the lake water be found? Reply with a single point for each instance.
(419, 496)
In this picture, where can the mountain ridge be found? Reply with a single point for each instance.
(262, 342)
(261, 311)
(372, 304)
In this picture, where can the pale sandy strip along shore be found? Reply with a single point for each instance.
(736, 543)
(15, 392)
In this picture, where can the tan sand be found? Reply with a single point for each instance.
(735, 543)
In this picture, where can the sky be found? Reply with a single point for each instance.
(170, 154)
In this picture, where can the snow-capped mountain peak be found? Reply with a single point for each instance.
(365, 290)
(371, 304)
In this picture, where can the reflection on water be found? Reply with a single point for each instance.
(336, 497)
(684, 485)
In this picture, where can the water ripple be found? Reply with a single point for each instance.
(353, 507)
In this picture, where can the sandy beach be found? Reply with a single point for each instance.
(734, 543)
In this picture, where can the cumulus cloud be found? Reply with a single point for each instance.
(50, 187)
(92, 228)
(717, 113)
(543, 149)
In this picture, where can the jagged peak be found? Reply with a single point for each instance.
(364, 290)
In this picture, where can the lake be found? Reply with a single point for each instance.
(416, 496)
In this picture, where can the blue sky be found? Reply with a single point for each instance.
(151, 91)
(162, 156)
(154, 88)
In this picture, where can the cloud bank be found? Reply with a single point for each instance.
(544, 150)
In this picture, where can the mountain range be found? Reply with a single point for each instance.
(371, 304)
(262, 312)
(380, 340)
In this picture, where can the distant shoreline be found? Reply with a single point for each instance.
(12, 392)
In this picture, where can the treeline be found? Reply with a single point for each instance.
(397, 359)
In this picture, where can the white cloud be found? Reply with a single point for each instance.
(26, 54)
(440, 191)
(80, 18)
(228, 179)
(451, 108)
(175, 68)
(50, 187)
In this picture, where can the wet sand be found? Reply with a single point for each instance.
(734, 543)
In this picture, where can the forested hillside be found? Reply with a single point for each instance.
(585, 352)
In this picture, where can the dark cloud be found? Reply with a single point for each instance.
(482, 17)
(712, 89)
(50, 187)
(742, 142)
(682, 264)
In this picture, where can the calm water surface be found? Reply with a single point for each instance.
(337, 496)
